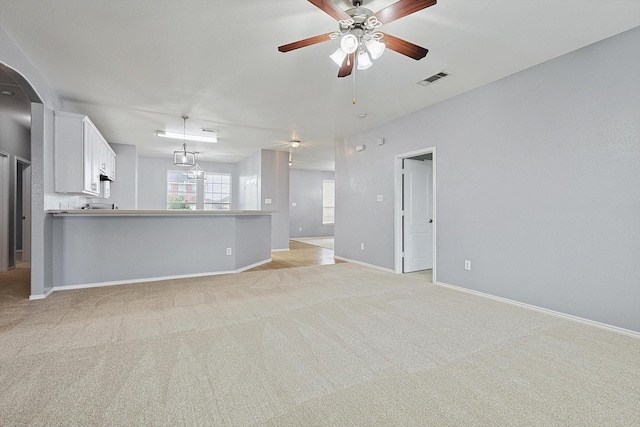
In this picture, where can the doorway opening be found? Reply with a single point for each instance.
(22, 213)
(415, 211)
(20, 137)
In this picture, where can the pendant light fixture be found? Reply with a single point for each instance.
(197, 172)
(184, 157)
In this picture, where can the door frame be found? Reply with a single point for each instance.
(26, 169)
(397, 207)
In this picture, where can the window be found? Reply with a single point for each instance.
(217, 191)
(182, 193)
(328, 201)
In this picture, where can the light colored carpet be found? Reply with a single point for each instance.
(324, 242)
(338, 345)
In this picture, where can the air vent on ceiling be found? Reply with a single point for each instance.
(432, 79)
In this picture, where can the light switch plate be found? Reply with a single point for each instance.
(380, 198)
(267, 201)
(294, 204)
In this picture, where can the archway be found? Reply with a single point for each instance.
(19, 135)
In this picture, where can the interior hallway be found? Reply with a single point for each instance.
(299, 255)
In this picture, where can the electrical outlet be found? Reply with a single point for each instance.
(362, 246)
(228, 251)
(299, 228)
(467, 264)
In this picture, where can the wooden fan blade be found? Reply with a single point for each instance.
(331, 9)
(404, 47)
(304, 43)
(347, 65)
(402, 8)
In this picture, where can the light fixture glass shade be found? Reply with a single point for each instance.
(176, 135)
(338, 57)
(184, 157)
(349, 44)
(295, 143)
(364, 62)
(375, 48)
(196, 172)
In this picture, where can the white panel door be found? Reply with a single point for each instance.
(418, 214)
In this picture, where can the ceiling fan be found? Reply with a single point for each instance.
(359, 35)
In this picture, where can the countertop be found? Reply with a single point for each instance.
(153, 212)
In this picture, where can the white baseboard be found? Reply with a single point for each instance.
(612, 328)
(40, 296)
(149, 279)
(280, 250)
(377, 267)
(248, 267)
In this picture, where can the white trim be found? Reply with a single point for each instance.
(566, 316)
(18, 159)
(40, 296)
(22, 160)
(280, 250)
(145, 280)
(397, 207)
(377, 267)
(5, 214)
(240, 270)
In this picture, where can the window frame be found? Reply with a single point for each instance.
(180, 186)
(328, 202)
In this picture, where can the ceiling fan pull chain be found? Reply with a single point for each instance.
(353, 100)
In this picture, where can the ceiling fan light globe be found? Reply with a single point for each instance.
(364, 62)
(375, 48)
(349, 44)
(338, 57)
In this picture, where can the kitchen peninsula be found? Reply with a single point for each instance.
(105, 247)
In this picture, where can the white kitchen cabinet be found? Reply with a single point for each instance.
(81, 155)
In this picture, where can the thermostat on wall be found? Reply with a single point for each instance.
(360, 148)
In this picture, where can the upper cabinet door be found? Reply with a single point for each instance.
(81, 155)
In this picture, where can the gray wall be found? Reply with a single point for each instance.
(274, 185)
(152, 179)
(125, 189)
(538, 184)
(14, 138)
(305, 190)
(42, 196)
(135, 246)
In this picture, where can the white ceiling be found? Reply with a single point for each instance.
(136, 66)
